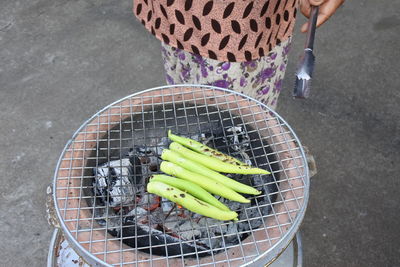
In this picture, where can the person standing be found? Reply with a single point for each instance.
(238, 45)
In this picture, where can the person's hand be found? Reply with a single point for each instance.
(326, 9)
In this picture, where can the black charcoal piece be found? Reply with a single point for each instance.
(150, 239)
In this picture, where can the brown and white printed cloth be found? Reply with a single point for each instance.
(234, 31)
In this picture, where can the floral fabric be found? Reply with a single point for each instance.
(260, 79)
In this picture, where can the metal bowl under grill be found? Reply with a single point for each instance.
(108, 217)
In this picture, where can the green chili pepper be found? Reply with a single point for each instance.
(176, 158)
(213, 163)
(203, 181)
(205, 150)
(191, 188)
(189, 202)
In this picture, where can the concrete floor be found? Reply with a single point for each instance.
(61, 61)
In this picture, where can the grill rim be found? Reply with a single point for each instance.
(265, 257)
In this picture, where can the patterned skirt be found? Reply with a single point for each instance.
(260, 79)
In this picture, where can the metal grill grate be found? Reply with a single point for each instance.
(143, 119)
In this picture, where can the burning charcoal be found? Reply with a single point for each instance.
(205, 138)
(198, 138)
(263, 202)
(188, 232)
(166, 205)
(212, 242)
(136, 167)
(122, 191)
(150, 239)
(173, 222)
(221, 229)
(157, 217)
(239, 140)
(137, 212)
(114, 223)
(149, 201)
(236, 206)
(143, 150)
(242, 178)
(232, 231)
(210, 232)
(260, 180)
(100, 184)
(158, 225)
(148, 157)
(164, 143)
(113, 184)
(249, 222)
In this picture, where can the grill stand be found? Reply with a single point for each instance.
(61, 254)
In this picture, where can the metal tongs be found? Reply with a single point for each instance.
(306, 66)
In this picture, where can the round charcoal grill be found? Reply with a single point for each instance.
(108, 217)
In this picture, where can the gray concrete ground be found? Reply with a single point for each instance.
(61, 61)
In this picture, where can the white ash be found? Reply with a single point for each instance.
(239, 140)
(167, 205)
(154, 150)
(147, 200)
(149, 157)
(112, 182)
(188, 231)
(137, 212)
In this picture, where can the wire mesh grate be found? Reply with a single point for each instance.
(142, 120)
